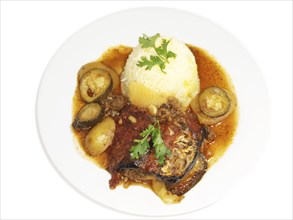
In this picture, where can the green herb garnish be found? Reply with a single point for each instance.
(142, 145)
(162, 53)
(151, 134)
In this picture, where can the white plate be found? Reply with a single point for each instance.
(54, 108)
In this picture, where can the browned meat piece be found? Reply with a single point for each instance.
(126, 131)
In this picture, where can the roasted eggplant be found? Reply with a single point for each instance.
(214, 102)
(88, 116)
(136, 175)
(181, 158)
(183, 143)
(191, 178)
(177, 170)
(183, 151)
(100, 137)
(94, 85)
(213, 105)
(177, 185)
(98, 65)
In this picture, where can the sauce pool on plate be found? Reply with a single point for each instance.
(191, 138)
(211, 73)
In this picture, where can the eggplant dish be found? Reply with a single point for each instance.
(157, 115)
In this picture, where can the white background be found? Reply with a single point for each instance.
(31, 32)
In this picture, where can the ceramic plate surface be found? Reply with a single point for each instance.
(54, 108)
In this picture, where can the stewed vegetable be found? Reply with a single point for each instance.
(88, 116)
(94, 85)
(191, 178)
(142, 135)
(100, 137)
(213, 105)
(98, 65)
(214, 102)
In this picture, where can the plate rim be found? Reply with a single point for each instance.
(170, 9)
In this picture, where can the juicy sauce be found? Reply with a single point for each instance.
(211, 73)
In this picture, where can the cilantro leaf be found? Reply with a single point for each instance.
(139, 149)
(154, 60)
(160, 148)
(162, 50)
(170, 54)
(147, 131)
(160, 151)
(143, 145)
(147, 42)
(162, 53)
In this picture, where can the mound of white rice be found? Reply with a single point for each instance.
(181, 78)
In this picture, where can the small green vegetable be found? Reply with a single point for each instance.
(162, 53)
(151, 134)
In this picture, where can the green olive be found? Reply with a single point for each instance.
(214, 102)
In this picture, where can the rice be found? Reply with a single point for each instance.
(180, 81)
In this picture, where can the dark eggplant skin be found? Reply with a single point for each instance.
(183, 148)
(184, 167)
(126, 164)
(174, 179)
(201, 137)
(194, 173)
(191, 178)
(177, 184)
(204, 132)
(128, 169)
(84, 125)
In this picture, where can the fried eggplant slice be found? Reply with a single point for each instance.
(191, 178)
(88, 116)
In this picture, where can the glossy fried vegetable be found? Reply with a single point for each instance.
(98, 65)
(214, 102)
(213, 105)
(181, 158)
(100, 137)
(191, 178)
(94, 85)
(182, 147)
(88, 116)
(177, 186)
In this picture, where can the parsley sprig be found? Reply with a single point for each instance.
(163, 55)
(151, 134)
